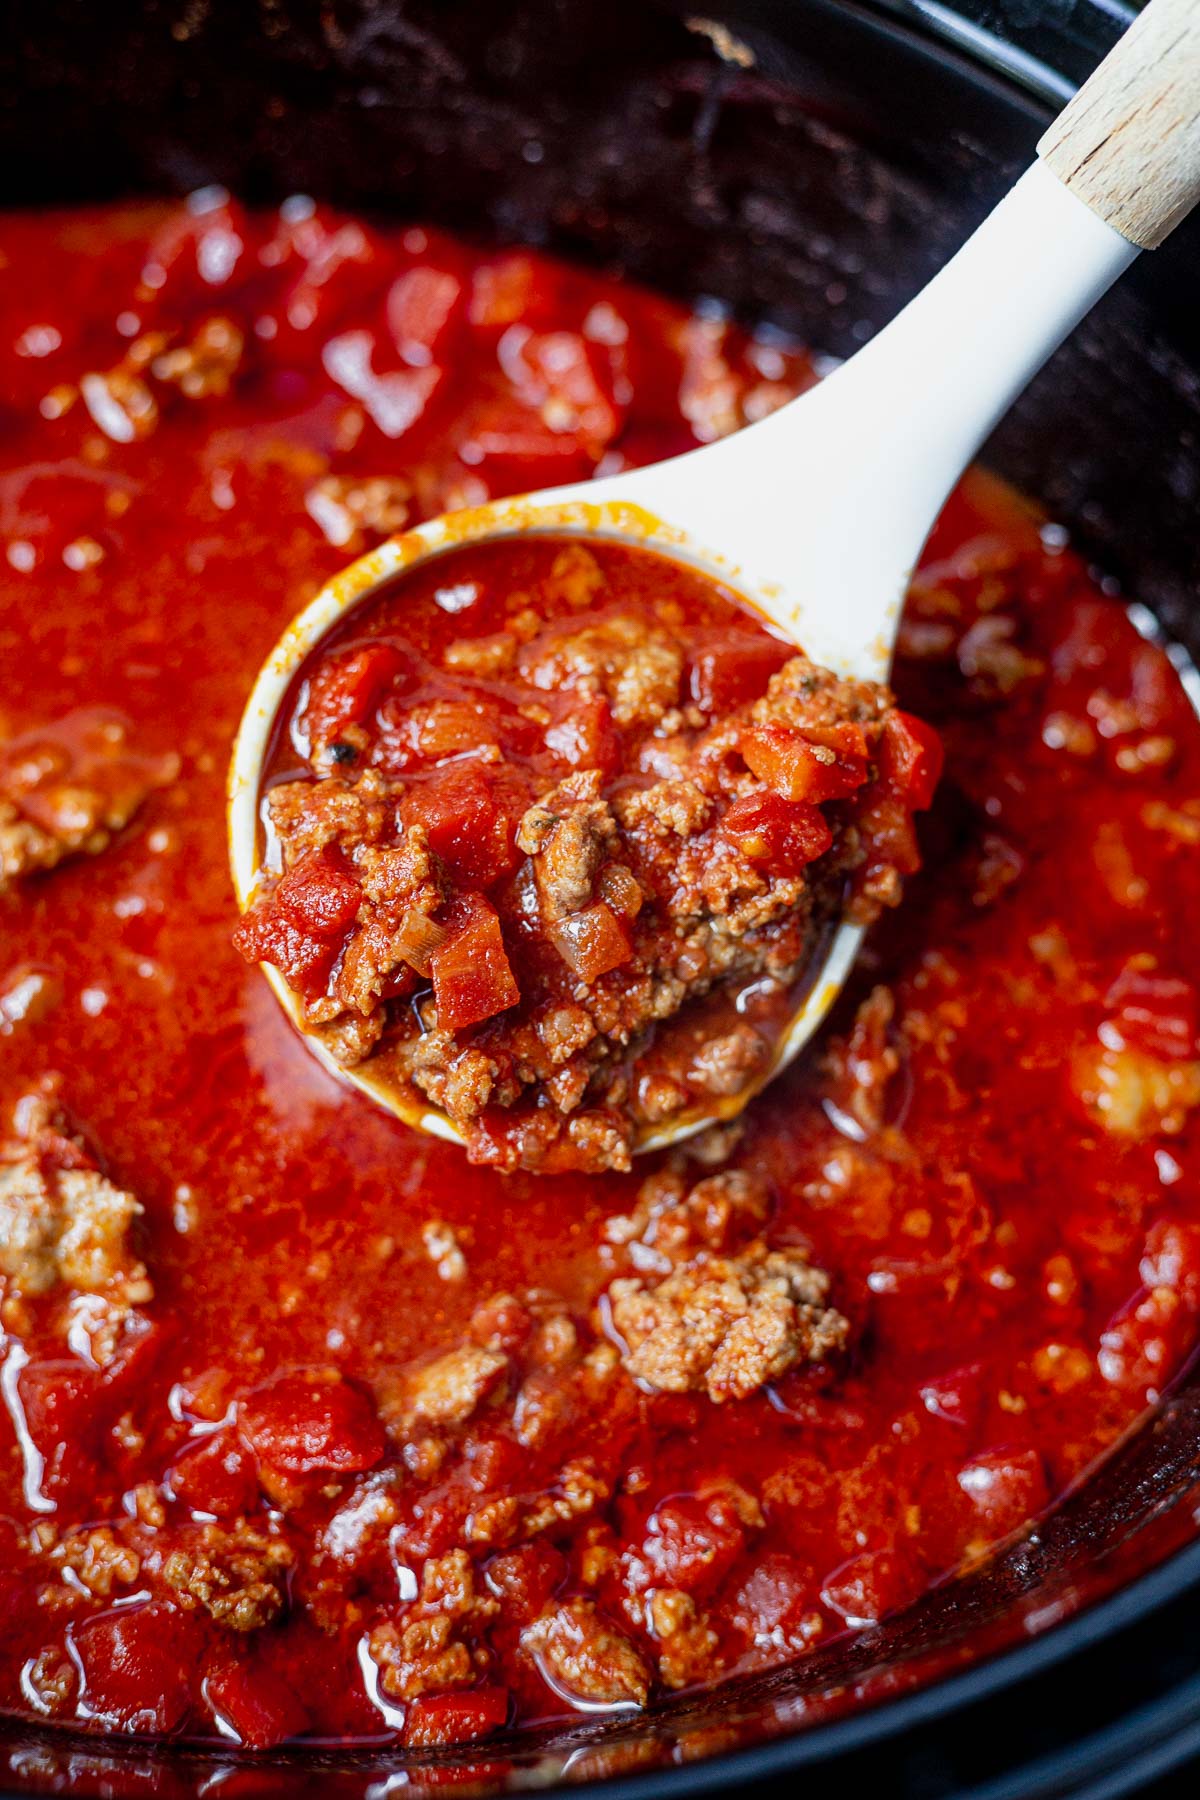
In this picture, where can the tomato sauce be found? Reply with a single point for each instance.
(337, 1436)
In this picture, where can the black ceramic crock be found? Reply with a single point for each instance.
(809, 162)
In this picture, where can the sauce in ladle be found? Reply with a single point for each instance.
(568, 828)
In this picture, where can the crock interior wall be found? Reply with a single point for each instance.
(818, 188)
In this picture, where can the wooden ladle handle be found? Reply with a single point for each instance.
(1128, 144)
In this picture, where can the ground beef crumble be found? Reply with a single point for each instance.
(709, 1305)
(586, 1657)
(726, 1325)
(98, 1560)
(64, 1226)
(530, 886)
(236, 1575)
(68, 787)
(426, 1648)
(674, 1220)
(444, 1391)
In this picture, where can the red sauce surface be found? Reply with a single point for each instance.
(992, 1151)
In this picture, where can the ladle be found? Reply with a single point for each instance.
(816, 514)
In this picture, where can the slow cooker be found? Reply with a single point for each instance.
(808, 162)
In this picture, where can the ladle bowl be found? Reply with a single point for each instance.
(816, 514)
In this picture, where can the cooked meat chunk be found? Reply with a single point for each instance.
(428, 1649)
(636, 666)
(728, 1064)
(236, 1574)
(1134, 1095)
(349, 1038)
(62, 1223)
(809, 699)
(66, 788)
(575, 577)
(204, 368)
(444, 1250)
(673, 1221)
(685, 1642)
(98, 1559)
(461, 1082)
(568, 834)
(726, 1325)
(666, 809)
(310, 816)
(585, 1657)
(351, 508)
(564, 1030)
(482, 656)
(445, 1391)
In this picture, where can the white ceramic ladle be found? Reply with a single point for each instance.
(816, 515)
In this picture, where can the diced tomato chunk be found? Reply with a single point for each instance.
(421, 308)
(868, 1587)
(256, 1703)
(137, 1665)
(1155, 1013)
(957, 1396)
(450, 728)
(199, 253)
(61, 1403)
(692, 1543)
(299, 1424)
(734, 668)
(319, 896)
(782, 835)
(59, 1400)
(217, 1476)
(345, 689)
(1005, 1488)
(472, 976)
(775, 1601)
(1102, 667)
(886, 824)
(591, 942)
(461, 806)
(1143, 1344)
(526, 1578)
(797, 769)
(1154, 687)
(325, 266)
(567, 379)
(583, 734)
(513, 288)
(508, 432)
(455, 1718)
(910, 758)
(393, 398)
(265, 934)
